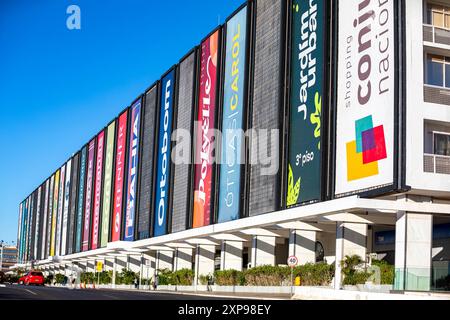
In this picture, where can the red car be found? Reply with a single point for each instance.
(32, 277)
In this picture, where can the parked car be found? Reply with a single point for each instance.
(2, 277)
(32, 278)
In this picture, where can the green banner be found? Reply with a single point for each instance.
(107, 184)
(307, 81)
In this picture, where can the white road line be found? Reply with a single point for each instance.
(31, 292)
(2, 286)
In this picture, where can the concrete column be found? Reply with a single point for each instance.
(302, 244)
(351, 239)
(183, 259)
(204, 261)
(413, 248)
(231, 255)
(164, 260)
(263, 251)
(114, 272)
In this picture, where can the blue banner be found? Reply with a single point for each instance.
(164, 151)
(233, 118)
(132, 170)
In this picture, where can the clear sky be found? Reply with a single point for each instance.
(59, 87)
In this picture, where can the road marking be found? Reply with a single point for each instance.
(31, 292)
(2, 286)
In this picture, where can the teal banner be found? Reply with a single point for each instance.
(307, 82)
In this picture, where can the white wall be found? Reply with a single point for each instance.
(417, 109)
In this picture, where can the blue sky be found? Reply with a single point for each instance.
(59, 87)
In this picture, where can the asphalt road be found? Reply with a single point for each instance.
(20, 292)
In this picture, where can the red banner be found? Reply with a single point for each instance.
(119, 177)
(204, 135)
(97, 189)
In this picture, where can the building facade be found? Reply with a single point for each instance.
(8, 257)
(333, 139)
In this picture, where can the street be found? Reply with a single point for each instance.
(19, 292)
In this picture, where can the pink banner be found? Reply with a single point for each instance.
(98, 189)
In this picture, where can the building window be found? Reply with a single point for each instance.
(437, 71)
(441, 144)
(438, 15)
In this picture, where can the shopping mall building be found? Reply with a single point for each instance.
(333, 139)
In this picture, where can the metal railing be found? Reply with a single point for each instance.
(434, 163)
(434, 94)
(433, 34)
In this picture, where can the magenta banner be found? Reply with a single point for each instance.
(97, 189)
(88, 203)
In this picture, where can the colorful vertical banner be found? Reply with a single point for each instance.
(50, 216)
(133, 158)
(120, 176)
(89, 194)
(233, 117)
(37, 231)
(107, 184)
(54, 213)
(306, 96)
(164, 152)
(97, 190)
(60, 210)
(44, 219)
(365, 96)
(203, 176)
(19, 230)
(80, 210)
(65, 218)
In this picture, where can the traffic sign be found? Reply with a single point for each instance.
(292, 261)
(99, 266)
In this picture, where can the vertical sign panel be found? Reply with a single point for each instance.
(107, 184)
(44, 220)
(233, 118)
(42, 216)
(98, 190)
(60, 210)
(37, 231)
(81, 197)
(73, 204)
(55, 213)
(120, 176)
(307, 83)
(133, 160)
(65, 219)
(89, 195)
(204, 146)
(146, 195)
(19, 230)
(25, 228)
(50, 217)
(365, 96)
(164, 152)
(267, 109)
(182, 201)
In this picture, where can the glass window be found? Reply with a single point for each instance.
(447, 21)
(447, 75)
(442, 144)
(435, 75)
(438, 19)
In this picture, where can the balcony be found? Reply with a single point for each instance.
(436, 35)
(434, 94)
(434, 163)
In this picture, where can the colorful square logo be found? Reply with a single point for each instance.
(364, 153)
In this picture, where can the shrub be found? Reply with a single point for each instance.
(267, 276)
(351, 275)
(229, 278)
(126, 277)
(87, 277)
(105, 277)
(387, 271)
(319, 274)
(59, 278)
(183, 277)
(205, 279)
